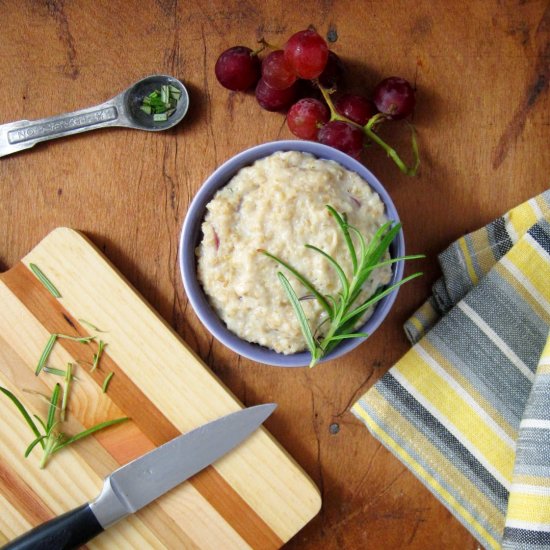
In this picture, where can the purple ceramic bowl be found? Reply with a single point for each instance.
(191, 235)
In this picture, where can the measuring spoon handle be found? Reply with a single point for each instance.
(23, 134)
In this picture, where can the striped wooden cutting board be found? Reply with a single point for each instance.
(255, 497)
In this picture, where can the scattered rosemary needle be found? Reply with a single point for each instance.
(45, 281)
(68, 379)
(81, 339)
(106, 381)
(91, 325)
(49, 346)
(57, 372)
(45, 354)
(343, 312)
(97, 356)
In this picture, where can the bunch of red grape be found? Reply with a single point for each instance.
(291, 79)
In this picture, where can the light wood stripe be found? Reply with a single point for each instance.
(129, 398)
(12, 521)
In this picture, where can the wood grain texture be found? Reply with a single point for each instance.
(256, 497)
(481, 69)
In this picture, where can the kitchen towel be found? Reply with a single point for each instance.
(467, 409)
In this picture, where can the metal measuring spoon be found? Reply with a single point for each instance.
(121, 110)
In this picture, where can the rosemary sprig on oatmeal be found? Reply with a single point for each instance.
(344, 311)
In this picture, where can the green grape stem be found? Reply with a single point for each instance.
(264, 44)
(368, 130)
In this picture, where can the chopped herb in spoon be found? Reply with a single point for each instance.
(343, 312)
(161, 103)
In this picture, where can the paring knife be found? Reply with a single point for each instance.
(146, 478)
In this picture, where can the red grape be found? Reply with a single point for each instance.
(276, 71)
(394, 97)
(355, 107)
(272, 99)
(237, 68)
(307, 53)
(342, 136)
(306, 116)
(333, 74)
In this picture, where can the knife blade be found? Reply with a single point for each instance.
(136, 484)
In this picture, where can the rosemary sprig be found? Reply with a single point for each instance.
(343, 313)
(45, 281)
(52, 440)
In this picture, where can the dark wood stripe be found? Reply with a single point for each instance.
(26, 501)
(134, 403)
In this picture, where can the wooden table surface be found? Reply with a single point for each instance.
(482, 72)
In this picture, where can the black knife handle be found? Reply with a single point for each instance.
(65, 532)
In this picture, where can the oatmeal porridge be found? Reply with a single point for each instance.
(279, 204)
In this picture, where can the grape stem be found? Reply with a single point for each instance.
(263, 45)
(368, 130)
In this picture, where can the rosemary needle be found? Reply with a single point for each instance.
(57, 372)
(81, 339)
(45, 281)
(91, 325)
(97, 355)
(88, 432)
(49, 346)
(68, 378)
(106, 381)
(53, 406)
(45, 354)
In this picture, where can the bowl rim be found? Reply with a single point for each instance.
(189, 241)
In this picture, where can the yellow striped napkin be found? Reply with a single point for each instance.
(467, 409)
